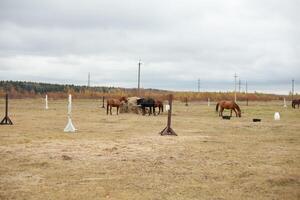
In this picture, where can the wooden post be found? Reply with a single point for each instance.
(6, 120)
(168, 130)
(103, 102)
(186, 101)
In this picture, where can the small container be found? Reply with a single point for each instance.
(226, 117)
(167, 107)
(256, 120)
(276, 116)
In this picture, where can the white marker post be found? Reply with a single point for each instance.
(70, 127)
(46, 102)
(284, 103)
(208, 102)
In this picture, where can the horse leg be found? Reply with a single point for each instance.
(144, 111)
(117, 110)
(154, 111)
(221, 111)
(107, 107)
(110, 110)
(230, 112)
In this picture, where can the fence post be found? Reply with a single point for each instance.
(168, 130)
(103, 102)
(6, 120)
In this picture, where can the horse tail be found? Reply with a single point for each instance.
(217, 107)
(238, 108)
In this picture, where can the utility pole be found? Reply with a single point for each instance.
(235, 76)
(89, 79)
(199, 85)
(239, 85)
(247, 91)
(139, 77)
(293, 87)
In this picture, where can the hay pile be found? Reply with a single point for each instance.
(131, 106)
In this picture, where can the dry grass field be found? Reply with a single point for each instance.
(124, 157)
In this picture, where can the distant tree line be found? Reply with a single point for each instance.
(42, 88)
(23, 89)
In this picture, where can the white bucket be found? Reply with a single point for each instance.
(167, 107)
(276, 116)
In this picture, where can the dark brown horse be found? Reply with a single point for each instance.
(295, 102)
(115, 103)
(159, 104)
(147, 103)
(228, 105)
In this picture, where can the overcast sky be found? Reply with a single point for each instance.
(178, 41)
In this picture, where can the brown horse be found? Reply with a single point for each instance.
(295, 102)
(115, 103)
(159, 104)
(228, 105)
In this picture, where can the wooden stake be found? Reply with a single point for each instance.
(168, 130)
(103, 102)
(6, 120)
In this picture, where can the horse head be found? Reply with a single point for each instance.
(139, 101)
(123, 99)
(239, 114)
(238, 109)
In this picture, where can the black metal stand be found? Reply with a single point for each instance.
(6, 120)
(168, 130)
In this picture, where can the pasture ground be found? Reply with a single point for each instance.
(124, 157)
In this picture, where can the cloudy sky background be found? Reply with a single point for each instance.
(178, 42)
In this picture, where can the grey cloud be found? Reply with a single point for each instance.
(178, 41)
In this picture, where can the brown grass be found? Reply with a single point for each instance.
(123, 157)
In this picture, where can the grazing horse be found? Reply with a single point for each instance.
(115, 103)
(228, 105)
(295, 102)
(147, 103)
(159, 104)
